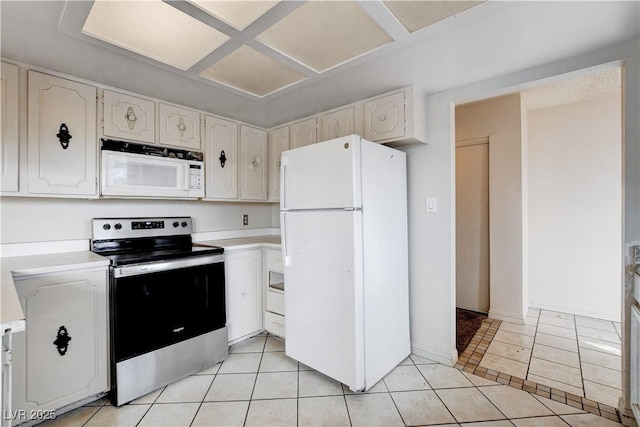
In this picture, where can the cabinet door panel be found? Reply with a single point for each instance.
(179, 126)
(58, 106)
(337, 124)
(303, 133)
(253, 170)
(384, 118)
(221, 157)
(278, 142)
(243, 278)
(61, 357)
(9, 128)
(129, 117)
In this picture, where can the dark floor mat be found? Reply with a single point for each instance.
(467, 323)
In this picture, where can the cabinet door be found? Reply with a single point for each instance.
(243, 274)
(221, 158)
(128, 117)
(385, 118)
(179, 126)
(278, 142)
(62, 355)
(253, 163)
(303, 133)
(337, 124)
(62, 145)
(9, 128)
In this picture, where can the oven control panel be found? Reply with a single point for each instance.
(120, 228)
(146, 225)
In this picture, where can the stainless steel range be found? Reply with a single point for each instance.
(167, 302)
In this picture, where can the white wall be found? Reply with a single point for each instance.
(47, 219)
(500, 119)
(575, 208)
(431, 173)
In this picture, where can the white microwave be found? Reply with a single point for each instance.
(150, 172)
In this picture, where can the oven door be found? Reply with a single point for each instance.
(154, 305)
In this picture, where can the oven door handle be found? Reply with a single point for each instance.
(155, 267)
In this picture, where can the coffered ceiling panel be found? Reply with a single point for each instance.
(238, 14)
(250, 71)
(256, 48)
(153, 29)
(323, 34)
(415, 15)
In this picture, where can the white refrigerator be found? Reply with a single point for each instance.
(343, 216)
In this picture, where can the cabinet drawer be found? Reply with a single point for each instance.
(275, 302)
(274, 323)
(274, 260)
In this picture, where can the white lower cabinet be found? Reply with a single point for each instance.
(62, 356)
(243, 278)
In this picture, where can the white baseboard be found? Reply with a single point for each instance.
(435, 355)
(506, 317)
(584, 313)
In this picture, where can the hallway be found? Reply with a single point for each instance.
(569, 359)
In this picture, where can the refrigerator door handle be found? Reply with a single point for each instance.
(283, 181)
(285, 254)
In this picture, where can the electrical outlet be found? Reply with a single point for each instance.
(245, 219)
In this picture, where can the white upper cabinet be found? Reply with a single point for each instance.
(61, 146)
(128, 117)
(337, 124)
(178, 126)
(9, 128)
(278, 142)
(398, 117)
(384, 117)
(221, 158)
(303, 133)
(253, 163)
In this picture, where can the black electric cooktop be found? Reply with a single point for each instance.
(150, 249)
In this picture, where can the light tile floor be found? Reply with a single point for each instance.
(572, 357)
(259, 386)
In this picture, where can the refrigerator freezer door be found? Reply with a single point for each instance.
(322, 176)
(324, 292)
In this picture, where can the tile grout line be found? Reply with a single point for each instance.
(535, 335)
(466, 364)
(584, 389)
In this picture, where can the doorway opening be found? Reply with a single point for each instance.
(472, 238)
(555, 231)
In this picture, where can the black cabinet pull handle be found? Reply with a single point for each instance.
(64, 136)
(62, 340)
(222, 158)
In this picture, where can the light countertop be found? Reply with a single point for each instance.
(10, 267)
(269, 241)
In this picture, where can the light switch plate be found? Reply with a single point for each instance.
(431, 205)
